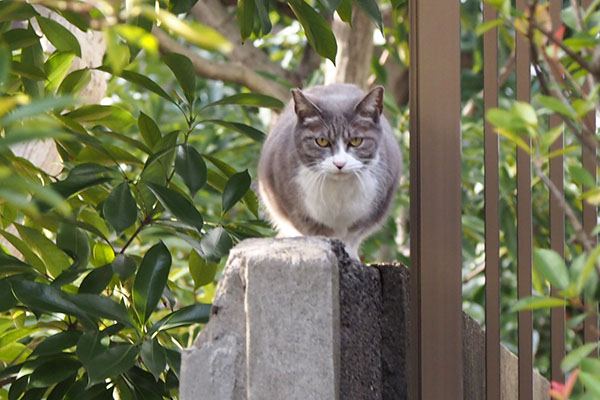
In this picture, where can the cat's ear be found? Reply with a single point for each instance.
(371, 106)
(307, 112)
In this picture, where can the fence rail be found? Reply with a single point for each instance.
(435, 207)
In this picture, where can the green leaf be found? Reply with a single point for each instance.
(48, 299)
(29, 256)
(202, 271)
(113, 117)
(215, 244)
(235, 188)
(150, 280)
(117, 52)
(246, 10)
(123, 266)
(345, 11)
(15, 11)
(138, 37)
(140, 80)
(575, 357)
(103, 307)
(75, 242)
(244, 129)
(27, 71)
(59, 36)
(582, 176)
(588, 269)
(55, 260)
(178, 206)
(5, 62)
(194, 314)
(75, 81)
(371, 8)
(591, 365)
(56, 343)
(250, 99)
(198, 34)
(591, 383)
(7, 299)
(53, 371)
(81, 177)
(486, 26)
(263, 15)
(111, 362)
(102, 254)
(552, 267)
(553, 104)
(184, 72)
(181, 6)
(317, 29)
(20, 38)
(154, 357)
(149, 130)
(190, 166)
(56, 67)
(120, 208)
(97, 280)
(537, 302)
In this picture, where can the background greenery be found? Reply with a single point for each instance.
(121, 250)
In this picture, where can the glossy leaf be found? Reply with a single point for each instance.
(139, 79)
(246, 10)
(75, 81)
(552, 267)
(178, 206)
(190, 166)
(244, 129)
(59, 36)
(97, 280)
(575, 357)
(235, 188)
(250, 99)
(202, 271)
(103, 307)
(371, 8)
(56, 67)
(120, 208)
(154, 357)
(111, 362)
(102, 254)
(47, 298)
(216, 244)
(123, 266)
(53, 371)
(7, 299)
(317, 29)
(20, 38)
(537, 302)
(345, 11)
(113, 117)
(75, 242)
(149, 130)
(57, 343)
(150, 280)
(184, 72)
(55, 260)
(194, 314)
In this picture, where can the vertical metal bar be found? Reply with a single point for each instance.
(436, 199)
(492, 226)
(524, 225)
(557, 230)
(590, 325)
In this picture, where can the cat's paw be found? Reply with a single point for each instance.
(352, 252)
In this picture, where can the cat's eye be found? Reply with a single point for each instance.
(356, 141)
(322, 142)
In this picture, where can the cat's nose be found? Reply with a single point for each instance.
(339, 164)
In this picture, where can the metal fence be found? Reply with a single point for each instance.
(436, 208)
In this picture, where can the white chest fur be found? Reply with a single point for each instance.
(334, 202)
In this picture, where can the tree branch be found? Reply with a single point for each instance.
(226, 71)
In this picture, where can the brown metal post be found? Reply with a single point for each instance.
(435, 200)
(524, 225)
(590, 325)
(557, 230)
(492, 226)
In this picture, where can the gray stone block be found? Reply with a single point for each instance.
(292, 319)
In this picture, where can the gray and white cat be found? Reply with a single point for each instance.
(330, 166)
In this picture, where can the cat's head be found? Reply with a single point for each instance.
(338, 134)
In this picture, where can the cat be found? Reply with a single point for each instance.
(330, 165)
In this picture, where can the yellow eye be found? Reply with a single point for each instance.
(356, 141)
(322, 142)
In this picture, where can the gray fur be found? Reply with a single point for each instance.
(336, 113)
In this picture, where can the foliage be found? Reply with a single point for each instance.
(101, 302)
(563, 59)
